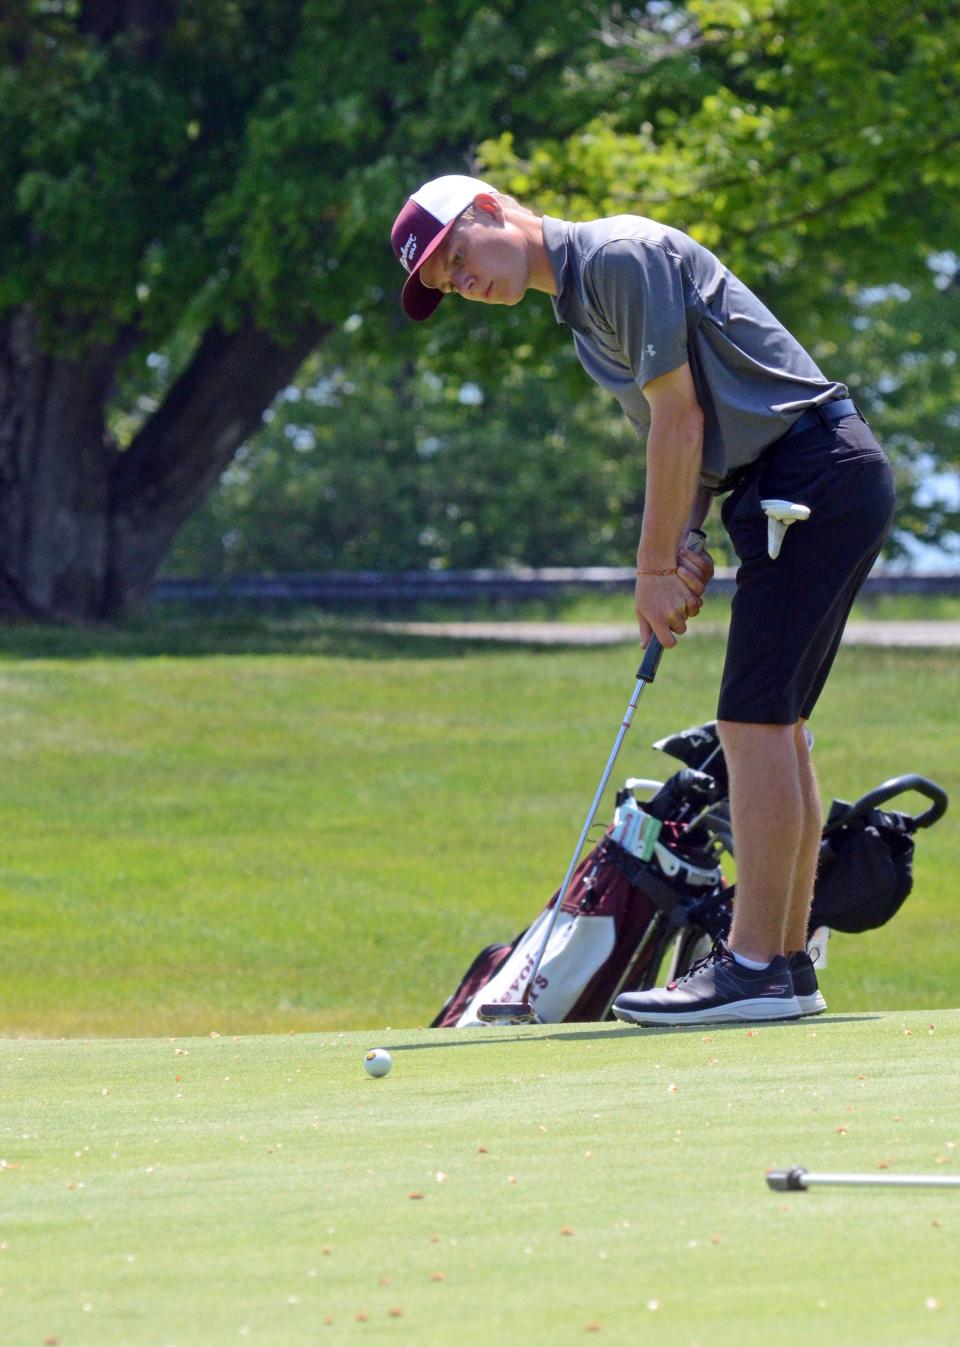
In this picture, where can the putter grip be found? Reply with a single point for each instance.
(654, 651)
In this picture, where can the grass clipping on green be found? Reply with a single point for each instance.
(498, 1186)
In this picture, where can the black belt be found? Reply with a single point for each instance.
(826, 413)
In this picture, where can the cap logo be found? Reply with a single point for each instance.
(408, 250)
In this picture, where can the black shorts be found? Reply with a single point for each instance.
(788, 615)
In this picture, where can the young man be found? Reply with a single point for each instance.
(732, 405)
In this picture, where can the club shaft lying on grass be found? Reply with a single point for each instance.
(799, 1180)
(522, 1012)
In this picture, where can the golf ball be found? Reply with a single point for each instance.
(377, 1062)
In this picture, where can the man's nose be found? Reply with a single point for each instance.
(464, 282)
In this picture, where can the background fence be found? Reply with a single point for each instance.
(352, 588)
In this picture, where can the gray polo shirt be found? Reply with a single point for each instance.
(642, 298)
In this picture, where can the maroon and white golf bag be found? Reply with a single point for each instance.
(654, 887)
(644, 887)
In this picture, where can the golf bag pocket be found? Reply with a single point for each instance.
(633, 828)
(580, 945)
(596, 933)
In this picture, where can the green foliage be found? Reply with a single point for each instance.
(238, 161)
(903, 348)
(252, 158)
(823, 167)
(819, 159)
(371, 463)
(816, 137)
(115, 163)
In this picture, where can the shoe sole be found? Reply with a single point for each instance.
(812, 1005)
(732, 1013)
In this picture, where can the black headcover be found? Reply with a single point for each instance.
(688, 792)
(699, 748)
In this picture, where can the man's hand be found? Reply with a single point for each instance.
(664, 603)
(696, 571)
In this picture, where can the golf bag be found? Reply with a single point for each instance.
(866, 853)
(654, 886)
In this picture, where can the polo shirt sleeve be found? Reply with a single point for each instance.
(638, 290)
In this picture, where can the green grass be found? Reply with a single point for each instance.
(578, 1184)
(254, 824)
(591, 606)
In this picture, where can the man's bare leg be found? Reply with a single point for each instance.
(805, 870)
(769, 805)
(775, 812)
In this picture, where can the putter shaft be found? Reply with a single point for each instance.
(627, 720)
(799, 1180)
(518, 1012)
(645, 674)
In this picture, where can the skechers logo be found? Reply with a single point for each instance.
(407, 251)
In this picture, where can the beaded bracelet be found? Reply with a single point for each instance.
(669, 570)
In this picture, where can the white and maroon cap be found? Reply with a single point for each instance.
(425, 221)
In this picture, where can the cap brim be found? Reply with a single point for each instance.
(419, 300)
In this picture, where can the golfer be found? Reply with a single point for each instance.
(731, 405)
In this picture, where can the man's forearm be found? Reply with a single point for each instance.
(700, 509)
(673, 491)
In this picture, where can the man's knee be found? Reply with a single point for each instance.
(759, 752)
(734, 733)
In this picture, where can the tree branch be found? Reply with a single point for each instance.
(831, 203)
(146, 22)
(179, 454)
(648, 39)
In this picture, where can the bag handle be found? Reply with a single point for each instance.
(886, 791)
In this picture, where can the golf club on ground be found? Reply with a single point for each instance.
(522, 1012)
(798, 1180)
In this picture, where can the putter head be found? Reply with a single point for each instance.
(787, 1180)
(508, 1012)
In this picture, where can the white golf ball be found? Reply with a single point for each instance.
(377, 1062)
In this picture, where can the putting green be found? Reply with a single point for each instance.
(498, 1187)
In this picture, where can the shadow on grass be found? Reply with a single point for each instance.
(189, 633)
(460, 1038)
(470, 1038)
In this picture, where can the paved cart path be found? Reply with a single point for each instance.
(917, 634)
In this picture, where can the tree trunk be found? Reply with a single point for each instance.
(55, 465)
(178, 456)
(83, 528)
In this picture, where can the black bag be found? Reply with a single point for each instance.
(866, 857)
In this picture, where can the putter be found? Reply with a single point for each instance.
(522, 1012)
(798, 1180)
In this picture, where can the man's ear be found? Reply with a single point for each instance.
(488, 204)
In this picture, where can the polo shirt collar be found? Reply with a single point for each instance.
(556, 242)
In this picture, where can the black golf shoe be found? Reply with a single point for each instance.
(717, 990)
(805, 985)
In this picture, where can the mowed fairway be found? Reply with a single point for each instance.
(264, 827)
(539, 1185)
